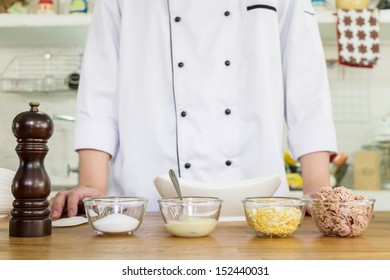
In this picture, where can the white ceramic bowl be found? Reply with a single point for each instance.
(6, 173)
(6, 197)
(6, 177)
(230, 193)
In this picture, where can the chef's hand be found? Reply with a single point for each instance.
(93, 165)
(70, 200)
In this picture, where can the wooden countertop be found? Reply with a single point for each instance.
(230, 241)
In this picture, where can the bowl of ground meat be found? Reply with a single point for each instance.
(339, 212)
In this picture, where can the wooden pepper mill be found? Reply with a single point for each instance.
(31, 185)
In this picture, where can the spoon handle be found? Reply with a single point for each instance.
(175, 183)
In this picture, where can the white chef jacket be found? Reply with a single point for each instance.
(202, 87)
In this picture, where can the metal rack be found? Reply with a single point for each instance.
(39, 73)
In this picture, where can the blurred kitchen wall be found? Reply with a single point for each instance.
(360, 99)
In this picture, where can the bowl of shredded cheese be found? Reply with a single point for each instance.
(274, 216)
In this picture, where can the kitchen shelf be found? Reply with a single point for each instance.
(60, 30)
(35, 20)
(43, 30)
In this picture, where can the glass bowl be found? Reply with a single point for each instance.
(274, 216)
(342, 218)
(192, 216)
(115, 215)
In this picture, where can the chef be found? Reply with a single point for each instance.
(204, 88)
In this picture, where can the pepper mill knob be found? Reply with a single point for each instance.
(31, 185)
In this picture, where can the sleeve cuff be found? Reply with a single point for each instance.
(96, 136)
(314, 137)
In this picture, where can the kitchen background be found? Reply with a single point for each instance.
(50, 45)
